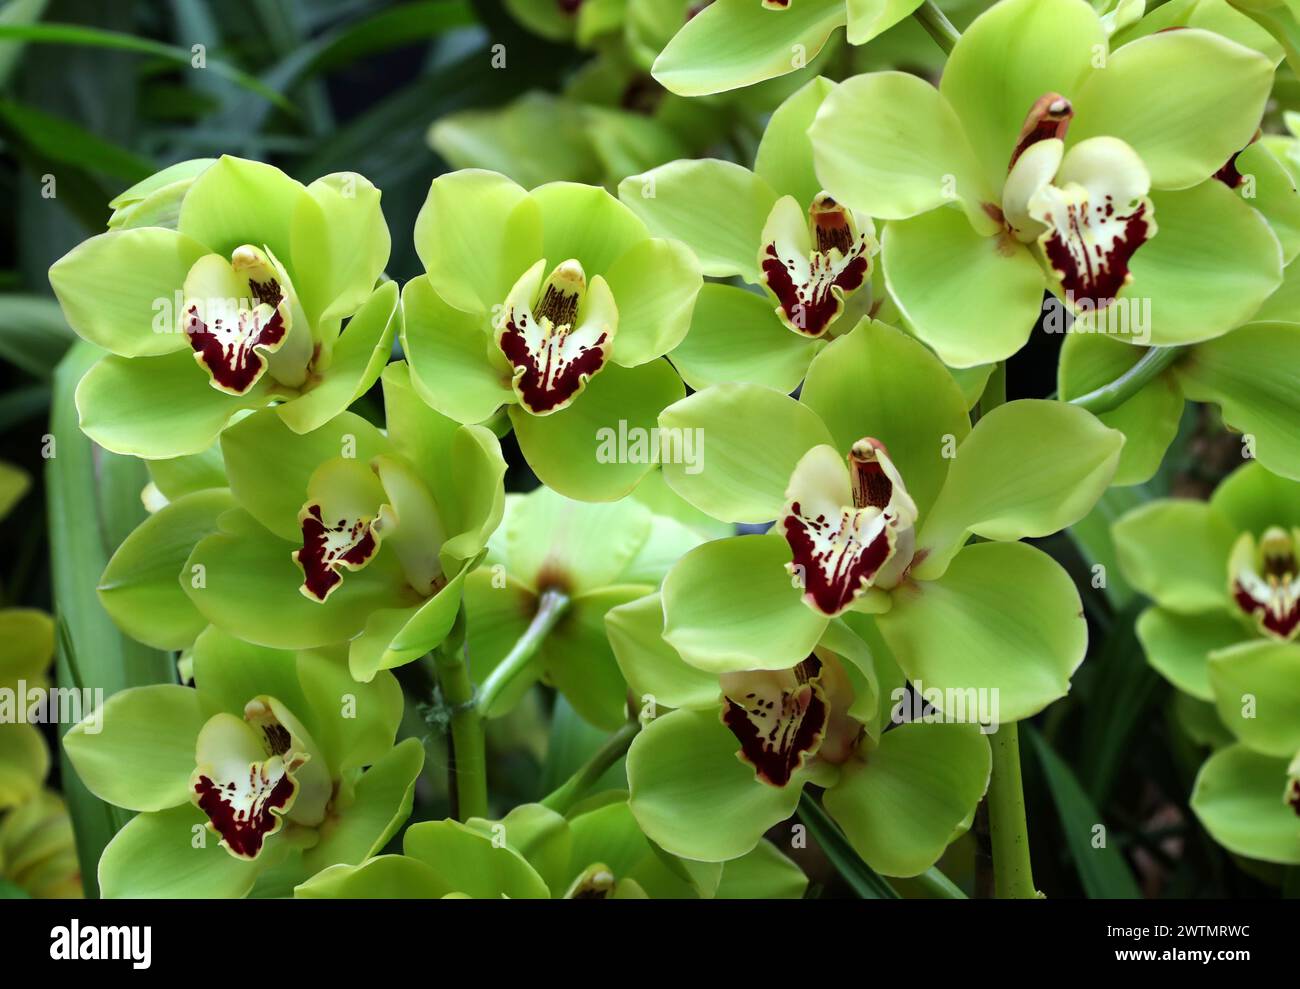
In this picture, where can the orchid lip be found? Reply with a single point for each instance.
(779, 718)
(327, 547)
(556, 335)
(812, 263)
(1265, 582)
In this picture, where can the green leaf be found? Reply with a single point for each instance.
(1102, 871)
(1029, 468)
(24, 762)
(730, 604)
(1176, 552)
(61, 140)
(1004, 617)
(862, 879)
(33, 334)
(903, 804)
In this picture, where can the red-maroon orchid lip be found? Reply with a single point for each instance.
(327, 547)
(1265, 582)
(245, 828)
(779, 718)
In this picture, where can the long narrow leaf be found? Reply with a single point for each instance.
(865, 882)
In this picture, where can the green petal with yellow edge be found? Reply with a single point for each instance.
(889, 144)
(901, 805)
(1199, 287)
(24, 761)
(865, 384)
(470, 862)
(1249, 374)
(1185, 100)
(740, 473)
(1176, 551)
(476, 234)
(785, 153)
(1013, 53)
(693, 797)
(717, 208)
(355, 363)
(250, 587)
(736, 337)
(577, 451)
(734, 43)
(275, 498)
(1238, 798)
(1029, 468)
(137, 751)
(170, 854)
(340, 247)
(141, 586)
(992, 293)
(157, 407)
(380, 805)
(653, 669)
(1253, 499)
(1004, 618)
(1257, 692)
(1178, 646)
(1149, 420)
(118, 290)
(731, 605)
(448, 354)
(655, 283)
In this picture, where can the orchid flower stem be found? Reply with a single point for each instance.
(551, 607)
(1116, 393)
(568, 793)
(937, 25)
(467, 756)
(1013, 877)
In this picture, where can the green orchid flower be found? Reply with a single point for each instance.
(558, 305)
(343, 534)
(1049, 159)
(728, 44)
(27, 637)
(876, 481)
(561, 565)
(594, 852)
(731, 758)
(1247, 794)
(222, 286)
(1222, 573)
(38, 851)
(774, 227)
(260, 768)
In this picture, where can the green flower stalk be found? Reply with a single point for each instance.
(556, 304)
(565, 563)
(1049, 158)
(774, 227)
(732, 756)
(877, 481)
(261, 766)
(223, 286)
(596, 852)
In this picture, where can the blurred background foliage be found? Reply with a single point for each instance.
(97, 94)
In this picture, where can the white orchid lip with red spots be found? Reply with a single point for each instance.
(344, 501)
(778, 716)
(556, 335)
(838, 546)
(236, 313)
(813, 262)
(1089, 220)
(244, 781)
(1265, 581)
